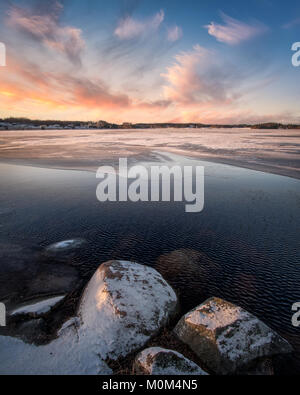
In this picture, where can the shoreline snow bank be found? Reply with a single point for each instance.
(38, 308)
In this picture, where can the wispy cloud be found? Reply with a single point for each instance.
(196, 77)
(291, 24)
(129, 28)
(174, 33)
(37, 88)
(233, 32)
(127, 73)
(45, 27)
(204, 87)
(138, 47)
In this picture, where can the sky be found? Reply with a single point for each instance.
(150, 61)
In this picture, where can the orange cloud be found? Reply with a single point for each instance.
(25, 85)
(196, 77)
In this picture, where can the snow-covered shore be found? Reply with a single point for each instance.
(123, 306)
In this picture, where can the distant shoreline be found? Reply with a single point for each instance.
(28, 124)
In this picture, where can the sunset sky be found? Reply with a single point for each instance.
(150, 61)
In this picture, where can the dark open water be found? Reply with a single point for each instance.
(248, 231)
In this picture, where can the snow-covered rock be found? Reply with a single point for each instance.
(123, 306)
(66, 245)
(227, 338)
(159, 361)
(38, 308)
(67, 251)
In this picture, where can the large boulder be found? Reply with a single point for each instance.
(192, 269)
(159, 361)
(227, 338)
(123, 306)
(187, 265)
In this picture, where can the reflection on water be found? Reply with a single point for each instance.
(244, 246)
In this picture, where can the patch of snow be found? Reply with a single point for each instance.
(214, 316)
(38, 308)
(66, 355)
(72, 323)
(65, 245)
(248, 337)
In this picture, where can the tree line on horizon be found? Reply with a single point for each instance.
(127, 125)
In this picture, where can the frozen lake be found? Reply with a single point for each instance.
(274, 151)
(243, 247)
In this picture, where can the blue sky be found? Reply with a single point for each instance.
(160, 60)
